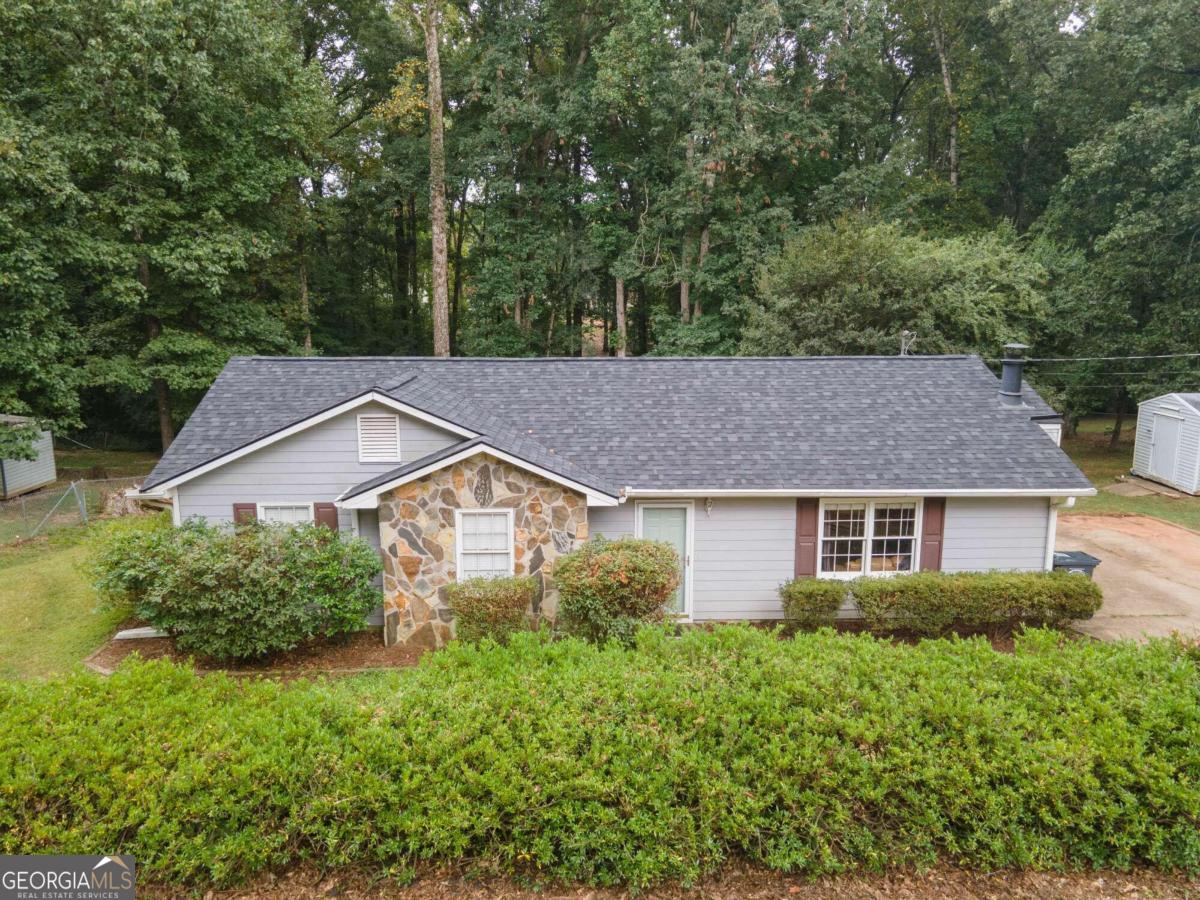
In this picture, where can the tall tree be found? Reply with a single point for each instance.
(437, 183)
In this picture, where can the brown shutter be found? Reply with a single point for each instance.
(807, 525)
(931, 534)
(245, 512)
(326, 514)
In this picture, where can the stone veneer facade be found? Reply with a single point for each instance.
(417, 538)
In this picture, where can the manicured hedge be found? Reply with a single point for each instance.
(606, 589)
(933, 603)
(813, 602)
(610, 764)
(490, 607)
(237, 593)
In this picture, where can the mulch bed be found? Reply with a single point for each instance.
(352, 654)
(733, 881)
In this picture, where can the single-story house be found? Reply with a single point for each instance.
(757, 470)
(1166, 447)
(20, 476)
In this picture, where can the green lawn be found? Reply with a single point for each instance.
(76, 463)
(48, 610)
(1103, 465)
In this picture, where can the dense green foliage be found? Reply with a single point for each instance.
(853, 287)
(491, 607)
(611, 764)
(183, 181)
(933, 603)
(813, 602)
(606, 589)
(237, 593)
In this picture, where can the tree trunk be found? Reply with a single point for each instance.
(456, 294)
(400, 301)
(939, 43)
(304, 310)
(1119, 422)
(440, 292)
(620, 316)
(162, 392)
(685, 286)
(416, 326)
(704, 238)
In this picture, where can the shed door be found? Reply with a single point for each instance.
(1164, 448)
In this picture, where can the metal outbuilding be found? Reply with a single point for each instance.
(19, 476)
(1167, 445)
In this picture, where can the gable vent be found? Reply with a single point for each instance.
(378, 438)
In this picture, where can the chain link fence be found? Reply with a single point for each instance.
(56, 507)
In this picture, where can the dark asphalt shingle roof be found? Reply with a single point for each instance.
(808, 423)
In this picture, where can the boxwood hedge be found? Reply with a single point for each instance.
(933, 603)
(611, 764)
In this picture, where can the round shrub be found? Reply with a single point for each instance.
(813, 602)
(491, 607)
(238, 593)
(606, 588)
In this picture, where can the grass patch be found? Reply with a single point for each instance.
(607, 765)
(77, 463)
(48, 609)
(1103, 465)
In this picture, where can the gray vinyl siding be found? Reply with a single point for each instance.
(743, 549)
(22, 475)
(1187, 461)
(312, 466)
(995, 533)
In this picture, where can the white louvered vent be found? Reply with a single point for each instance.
(378, 438)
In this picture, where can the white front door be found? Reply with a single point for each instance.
(671, 522)
(1164, 448)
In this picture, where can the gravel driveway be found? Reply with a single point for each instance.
(1149, 570)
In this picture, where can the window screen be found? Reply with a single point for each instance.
(285, 513)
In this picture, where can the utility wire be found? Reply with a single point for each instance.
(1050, 359)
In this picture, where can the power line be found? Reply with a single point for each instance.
(1050, 359)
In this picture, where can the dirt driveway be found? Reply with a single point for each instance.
(1149, 570)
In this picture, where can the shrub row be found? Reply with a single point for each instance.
(236, 593)
(491, 607)
(611, 764)
(933, 603)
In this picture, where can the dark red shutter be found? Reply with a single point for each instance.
(245, 512)
(326, 514)
(807, 526)
(932, 530)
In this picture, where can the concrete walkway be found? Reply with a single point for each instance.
(1149, 571)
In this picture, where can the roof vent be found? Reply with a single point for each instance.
(1012, 367)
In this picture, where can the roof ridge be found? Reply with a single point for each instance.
(610, 359)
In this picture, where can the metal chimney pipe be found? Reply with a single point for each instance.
(1012, 367)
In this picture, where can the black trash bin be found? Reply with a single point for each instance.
(1076, 562)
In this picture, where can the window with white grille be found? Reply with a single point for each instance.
(485, 543)
(877, 537)
(378, 438)
(285, 513)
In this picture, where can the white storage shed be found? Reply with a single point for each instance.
(1167, 445)
(18, 476)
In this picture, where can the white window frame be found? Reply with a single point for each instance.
(378, 415)
(277, 504)
(458, 544)
(868, 535)
(690, 549)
